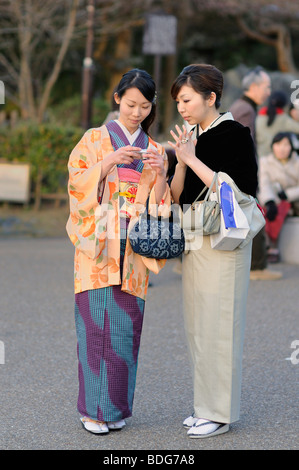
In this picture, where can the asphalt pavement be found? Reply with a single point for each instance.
(38, 362)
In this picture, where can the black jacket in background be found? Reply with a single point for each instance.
(227, 147)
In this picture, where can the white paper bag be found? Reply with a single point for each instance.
(234, 225)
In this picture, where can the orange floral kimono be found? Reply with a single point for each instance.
(94, 228)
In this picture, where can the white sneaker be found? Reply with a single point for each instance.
(96, 427)
(205, 428)
(115, 425)
(190, 421)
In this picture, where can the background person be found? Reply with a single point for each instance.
(272, 119)
(294, 114)
(256, 85)
(294, 110)
(279, 188)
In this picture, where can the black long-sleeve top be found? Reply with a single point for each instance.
(227, 147)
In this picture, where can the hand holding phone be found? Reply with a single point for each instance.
(141, 154)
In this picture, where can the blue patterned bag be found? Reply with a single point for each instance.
(157, 237)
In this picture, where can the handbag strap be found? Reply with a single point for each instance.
(174, 215)
(210, 189)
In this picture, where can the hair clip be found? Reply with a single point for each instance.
(155, 98)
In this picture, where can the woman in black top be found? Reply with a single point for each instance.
(215, 283)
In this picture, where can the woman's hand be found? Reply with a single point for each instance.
(155, 160)
(271, 210)
(124, 155)
(184, 146)
(185, 151)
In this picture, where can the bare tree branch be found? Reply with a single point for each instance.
(9, 67)
(29, 26)
(254, 34)
(57, 67)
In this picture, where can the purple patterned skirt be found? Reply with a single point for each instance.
(108, 326)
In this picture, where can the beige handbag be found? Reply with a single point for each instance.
(203, 216)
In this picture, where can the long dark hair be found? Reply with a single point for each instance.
(284, 135)
(277, 99)
(142, 80)
(203, 78)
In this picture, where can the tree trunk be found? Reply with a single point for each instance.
(170, 74)
(26, 94)
(284, 52)
(121, 59)
(86, 97)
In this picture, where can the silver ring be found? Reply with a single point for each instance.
(184, 141)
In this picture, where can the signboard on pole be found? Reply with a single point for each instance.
(159, 36)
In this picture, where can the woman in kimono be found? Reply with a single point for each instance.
(215, 283)
(109, 184)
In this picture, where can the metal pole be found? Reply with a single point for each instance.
(88, 68)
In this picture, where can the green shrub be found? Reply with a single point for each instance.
(45, 147)
(68, 111)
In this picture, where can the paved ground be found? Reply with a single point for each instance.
(38, 381)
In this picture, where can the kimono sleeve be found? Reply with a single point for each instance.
(84, 168)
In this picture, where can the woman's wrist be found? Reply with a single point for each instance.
(110, 159)
(107, 165)
(161, 176)
(181, 166)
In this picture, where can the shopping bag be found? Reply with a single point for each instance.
(234, 225)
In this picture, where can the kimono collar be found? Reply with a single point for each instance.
(223, 117)
(119, 138)
(131, 137)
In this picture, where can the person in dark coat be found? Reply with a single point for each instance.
(256, 86)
